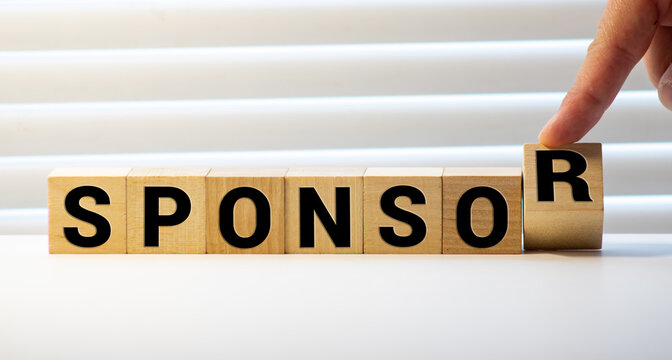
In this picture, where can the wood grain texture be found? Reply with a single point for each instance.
(187, 237)
(113, 182)
(324, 181)
(563, 223)
(379, 180)
(271, 183)
(508, 182)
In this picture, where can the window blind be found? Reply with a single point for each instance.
(308, 83)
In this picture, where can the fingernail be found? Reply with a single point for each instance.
(665, 88)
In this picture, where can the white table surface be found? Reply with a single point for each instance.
(616, 303)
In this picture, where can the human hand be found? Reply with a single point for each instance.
(628, 31)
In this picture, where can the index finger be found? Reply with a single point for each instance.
(624, 34)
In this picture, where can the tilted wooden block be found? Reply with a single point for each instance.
(166, 211)
(246, 211)
(323, 211)
(564, 200)
(87, 211)
(482, 211)
(402, 210)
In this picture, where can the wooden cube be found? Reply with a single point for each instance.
(246, 211)
(323, 211)
(402, 210)
(563, 197)
(166, 211)
(87, 210)
(482, 211)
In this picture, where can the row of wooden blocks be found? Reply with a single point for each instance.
(333, 210)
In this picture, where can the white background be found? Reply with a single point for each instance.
(609, 304)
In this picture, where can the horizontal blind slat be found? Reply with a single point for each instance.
(628, 168)
(38, 25)
(638, 214)
(24, 221)
(294, 71)
(266, 124)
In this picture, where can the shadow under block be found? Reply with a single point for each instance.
(482, 211)
(87, 211)
(402, 210)
(323, 211)
(564, 200)
(174, 202)
(248, 206)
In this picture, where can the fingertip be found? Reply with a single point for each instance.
(550, 135)
(550, 141)
(543, 137)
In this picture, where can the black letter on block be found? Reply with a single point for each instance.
(339, 230)
(418, 226)
(73, 208)
(226, 221)
(500, 217)
(546, 177)
(152, 218)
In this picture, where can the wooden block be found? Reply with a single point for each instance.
(87, 211)
(402, 210)
(563, 197)
(248, 206)
(166, 211)
(481, 211)
(323, 211)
